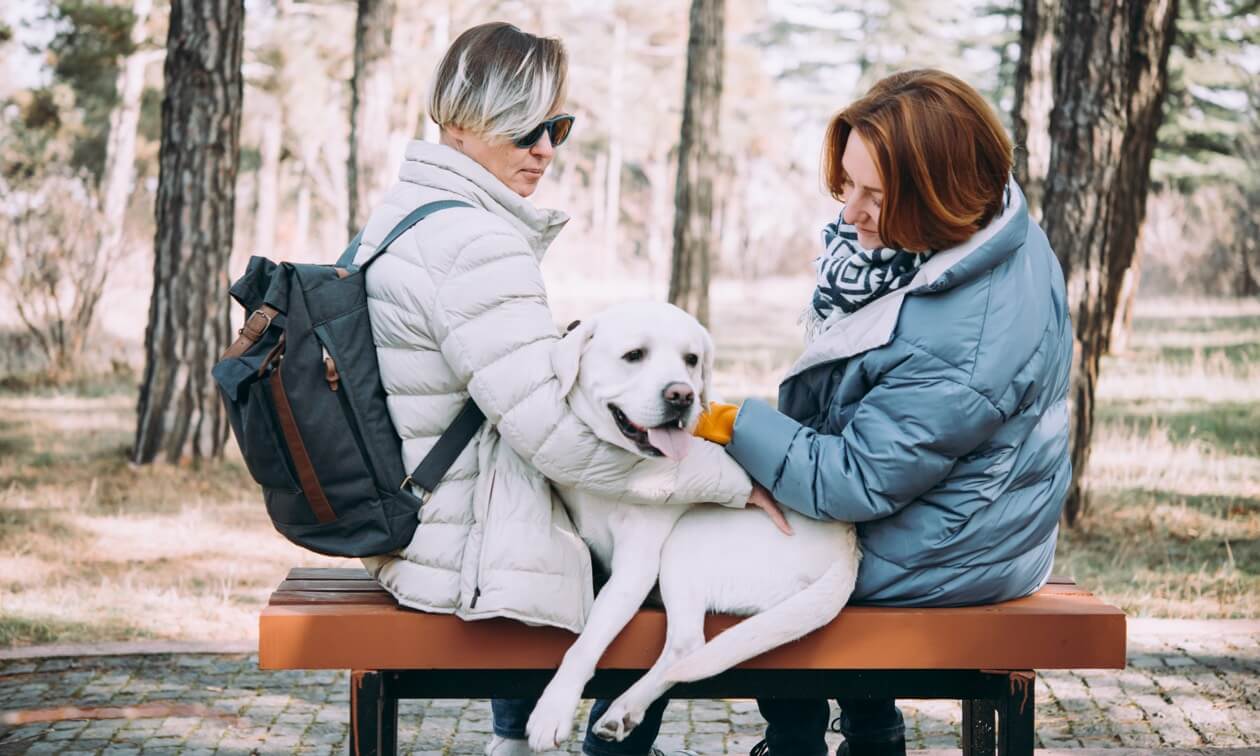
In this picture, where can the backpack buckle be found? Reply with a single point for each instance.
(254, 331)
(251, 332)
(423, 494)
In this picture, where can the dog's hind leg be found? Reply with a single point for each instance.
(684, 612)
(786, 621)
(634, 572)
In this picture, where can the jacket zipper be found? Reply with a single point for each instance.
(481, 557)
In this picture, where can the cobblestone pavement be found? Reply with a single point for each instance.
(1189, 685)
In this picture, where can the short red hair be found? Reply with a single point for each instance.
(942, 154)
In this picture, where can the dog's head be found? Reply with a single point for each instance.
(638, 375)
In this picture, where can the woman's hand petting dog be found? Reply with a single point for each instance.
(763, 500)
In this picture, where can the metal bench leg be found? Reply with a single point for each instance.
(373, 716)
(1017, 715)
(978, 736)
(389, 721)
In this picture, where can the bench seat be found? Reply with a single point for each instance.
(983, 655)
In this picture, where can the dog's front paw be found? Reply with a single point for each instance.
(552, 721)
(618, 722)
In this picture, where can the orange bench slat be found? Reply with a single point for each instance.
(1060, 627)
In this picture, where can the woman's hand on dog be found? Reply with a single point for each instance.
(763, 500)
(717, 424)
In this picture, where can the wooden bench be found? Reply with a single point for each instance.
(984, 656)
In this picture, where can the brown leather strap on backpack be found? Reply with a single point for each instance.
(255, 326)
(273, 357)
(297, 452)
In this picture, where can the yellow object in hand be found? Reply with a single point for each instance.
(717, 423)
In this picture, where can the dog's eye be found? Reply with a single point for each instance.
(691, 359)
(634, 355)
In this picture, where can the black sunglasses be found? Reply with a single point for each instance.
(557, 129)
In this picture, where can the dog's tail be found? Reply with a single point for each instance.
(798, 615)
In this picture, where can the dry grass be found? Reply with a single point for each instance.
(1174, 524)
(93, 549)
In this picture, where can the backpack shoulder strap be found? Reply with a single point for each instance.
(346, 260)
(415, 216)
(429, 472)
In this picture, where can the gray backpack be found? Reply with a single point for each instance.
(304, 398)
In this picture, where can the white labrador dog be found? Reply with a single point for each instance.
(639, 375)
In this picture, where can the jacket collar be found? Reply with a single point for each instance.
(872, 326)
(448, 170)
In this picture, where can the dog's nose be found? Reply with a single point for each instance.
(679, 395)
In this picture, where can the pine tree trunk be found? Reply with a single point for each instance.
(1126, 303)
(697, 160)
(1247, 239)
(409, 101)
(612, 195)
(1034, 97)
(1248, 283)
(440, 16)
(180, 416)
(120, 153)
(1109, 83)
(269, 181)
(371, 98)
(658, 214)
(599, 189)
(300, 243)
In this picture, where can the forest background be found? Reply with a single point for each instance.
(94, 546)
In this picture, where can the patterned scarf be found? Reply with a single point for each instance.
(849, 276)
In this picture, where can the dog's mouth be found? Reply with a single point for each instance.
(669, 439)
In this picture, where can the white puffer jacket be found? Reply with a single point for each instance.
(458, 307)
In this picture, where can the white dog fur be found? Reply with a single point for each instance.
(708, 558)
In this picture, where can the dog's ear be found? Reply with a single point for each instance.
(566, 353)
(706, 372)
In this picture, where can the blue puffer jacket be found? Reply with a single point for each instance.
(936, 418)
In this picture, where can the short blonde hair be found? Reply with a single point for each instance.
(497, 80)
(942, 154)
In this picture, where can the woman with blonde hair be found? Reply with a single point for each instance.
(930, 404)
(459, 310)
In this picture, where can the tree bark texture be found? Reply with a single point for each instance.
(1126, 305)
(440, 16)
(120, 151)
(698, 160)
(180, 415)
(300, 241)
(1248, 282)
(371, 98)
(1034, 97)
(270, 148)
(658, 214)
(612, 195)
(1109, 83)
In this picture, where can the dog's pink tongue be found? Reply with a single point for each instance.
(672, 442)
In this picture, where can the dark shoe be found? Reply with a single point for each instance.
(885, 748)
(761, 749)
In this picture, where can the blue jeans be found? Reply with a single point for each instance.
(511, 714)
(794, 726)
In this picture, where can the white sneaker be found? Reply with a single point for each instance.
(658, 752)
(508, 747)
